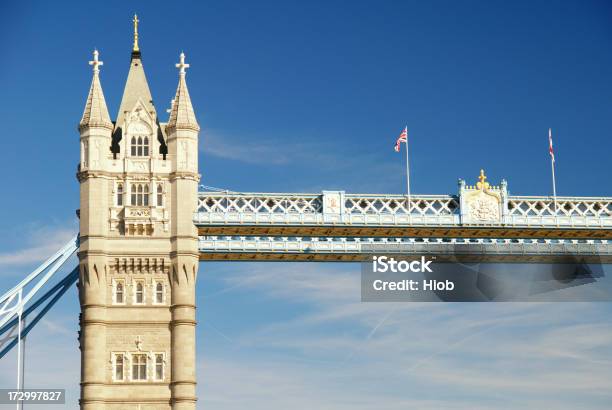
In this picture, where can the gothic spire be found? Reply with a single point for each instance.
(136, 86)
(181, 114)
(96, 112)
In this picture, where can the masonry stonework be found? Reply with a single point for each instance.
(138, 247)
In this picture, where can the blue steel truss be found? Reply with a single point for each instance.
(22, 307)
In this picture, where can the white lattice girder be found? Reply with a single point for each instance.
(258, 203)
(393, 210)
(566, 207)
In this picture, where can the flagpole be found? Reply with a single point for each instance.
(552, 166)
(407, 171)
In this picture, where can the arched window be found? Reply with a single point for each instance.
(139, 146)
(119, 292)
(140, 195)
(139, 293)
(159, 366)
(120, 195)
(139, 366)
(145, 196)
(133, 196)
(119, 367)
(160, 195)
(159, 293)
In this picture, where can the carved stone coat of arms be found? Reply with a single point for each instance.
(483, 202)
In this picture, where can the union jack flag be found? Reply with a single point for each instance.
(402, 138)
(550, 146)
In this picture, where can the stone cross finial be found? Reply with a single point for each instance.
(169, 110)
(181, 65)
(96, 63)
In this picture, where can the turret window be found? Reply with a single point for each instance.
(120, 195)
(119, 293)
(119, 366)
(139, 146)
(145, 196)
(159, 293)
(139, 293)
(159, 366)
(160, 195)
(140, 195)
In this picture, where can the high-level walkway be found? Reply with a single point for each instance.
(333, 225)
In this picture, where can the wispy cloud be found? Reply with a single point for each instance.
(334, 352)
(253, 149)
(258, 150)
(277, 384)
(339, 352)
(37, 245)
(338, 165)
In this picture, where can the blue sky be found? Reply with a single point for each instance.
(309, 96)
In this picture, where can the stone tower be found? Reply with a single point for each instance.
(138, 252)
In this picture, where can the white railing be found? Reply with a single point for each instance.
(259, 203)
(425, 205)
(530, 206)
(393, 210)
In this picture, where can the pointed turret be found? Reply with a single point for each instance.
(95, 127)
(181, 113)
(96, 112)
(136, 86)
(182, 131)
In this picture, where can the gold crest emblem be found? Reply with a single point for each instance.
(483, 201)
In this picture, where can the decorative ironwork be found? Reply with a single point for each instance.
(398, 205)
(259, 203)
(393, 210)
(527, 206)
